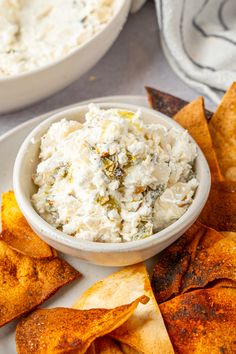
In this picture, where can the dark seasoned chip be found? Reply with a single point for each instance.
(202, 322)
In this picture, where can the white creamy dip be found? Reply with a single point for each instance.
(34, 33)
(114, 178)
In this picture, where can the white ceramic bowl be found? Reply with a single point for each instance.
(21, 90)
(113, 254)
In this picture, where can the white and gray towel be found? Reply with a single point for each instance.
(199, 42)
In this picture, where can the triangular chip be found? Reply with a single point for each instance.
(145, 330)
(17, 233)
(126, 349)
(174, 262)
(168, 104)
(215, 262)
(27, 282)
(223, 131)
(231, 235)
(223, 283)
(202, 322)
(107, 345)
(65, 330)
(90, 350)
(219, 212)
(164, 102)
(201, 256)
(192, 117)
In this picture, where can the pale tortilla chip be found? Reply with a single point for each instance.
(192, 117)
(202, 322)
(145, 330)
(65, 330)
(219, 212)
(223, 131)
(17, 233)
(27, 282)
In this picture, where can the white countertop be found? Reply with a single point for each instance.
(135, 60)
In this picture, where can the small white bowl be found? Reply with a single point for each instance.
(107, 254)
(21, 90)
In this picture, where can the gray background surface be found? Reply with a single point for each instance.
(135, 60)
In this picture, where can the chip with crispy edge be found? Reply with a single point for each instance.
(231, 235)
(167, 103)
(192, 117)
(126, 349)
(17, 233)
(107, 345)
(201, 257)
(145, 330)
(173, 263)
(202, 321)
(223, 283)
(90, 350)
(63, 330)
(212, 263)
(219, 212)
(223, 131)
(27, 282)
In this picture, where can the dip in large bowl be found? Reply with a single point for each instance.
(35, 33)
(46, 45)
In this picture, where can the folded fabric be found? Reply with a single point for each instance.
(199, 41)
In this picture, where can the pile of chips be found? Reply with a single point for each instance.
(194, 280)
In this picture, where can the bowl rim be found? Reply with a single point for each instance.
(50, 232)
(121, 5)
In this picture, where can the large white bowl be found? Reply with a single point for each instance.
(113, 254)
(18, 91)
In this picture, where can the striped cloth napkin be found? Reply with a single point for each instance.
(199, 42)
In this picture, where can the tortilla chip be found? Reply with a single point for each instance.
(173, 263)
(223, 131)
(26, 282)
(192, 117)
(219, 212)
(17, 233)
(107, 345)
(168, 104)
(63, 330)
(145, 330)
(231, 235)
(90, 350)
(222, 283)
(164, 102)
(210, 264)
(202, 321)
(201, 256)
(126, 349)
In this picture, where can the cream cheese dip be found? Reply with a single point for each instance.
(34, 33)
(114, 178)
